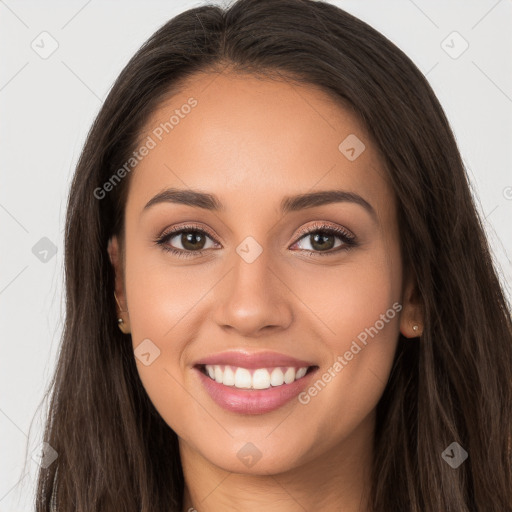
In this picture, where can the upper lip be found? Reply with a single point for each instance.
(253, 360)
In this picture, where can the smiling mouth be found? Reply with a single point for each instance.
(254, 378)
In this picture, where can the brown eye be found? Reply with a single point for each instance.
(322, 240)
(192, 240)
(185, 241)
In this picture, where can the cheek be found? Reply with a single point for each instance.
(163, 302)
(162, 296)
(360, 309)
(346, 299)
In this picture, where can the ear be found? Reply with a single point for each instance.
(412, 312)
(117, 262)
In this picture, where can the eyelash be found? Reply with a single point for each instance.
(349, 240)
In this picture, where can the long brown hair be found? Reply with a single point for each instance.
(452, 384)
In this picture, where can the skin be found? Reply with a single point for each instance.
(252, 142)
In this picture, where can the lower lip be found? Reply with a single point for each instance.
(253, 401)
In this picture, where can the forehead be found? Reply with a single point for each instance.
(247, 139)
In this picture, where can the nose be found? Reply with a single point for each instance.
(253, 298)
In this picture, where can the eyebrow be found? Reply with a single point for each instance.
(288, 204)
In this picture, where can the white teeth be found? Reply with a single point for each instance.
(228, 379)
(242, 378)
(289, 375)
(300, 373)
(277, 377)
(261, 378)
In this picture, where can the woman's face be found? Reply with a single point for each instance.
(262, 271)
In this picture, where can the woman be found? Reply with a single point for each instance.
(279, 291)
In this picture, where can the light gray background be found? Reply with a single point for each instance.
(48, 105)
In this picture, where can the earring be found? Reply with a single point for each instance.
(415, 328)
(120, 322)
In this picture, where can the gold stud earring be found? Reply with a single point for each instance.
(120, 322)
